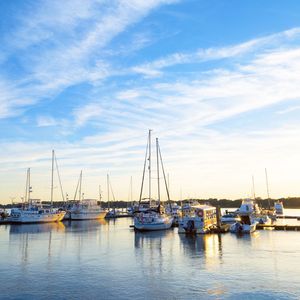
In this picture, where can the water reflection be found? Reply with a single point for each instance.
(151, 238)
(83, 226)
(36, 228)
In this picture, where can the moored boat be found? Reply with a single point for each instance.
(197, 218)
(87, 209)
(153, 218)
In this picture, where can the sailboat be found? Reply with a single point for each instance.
(85, 209)
(33, 211)
(153, 219)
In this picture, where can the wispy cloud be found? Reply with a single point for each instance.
(203, 55)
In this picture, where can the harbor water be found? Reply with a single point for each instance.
(108, 260)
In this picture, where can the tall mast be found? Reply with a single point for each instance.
(108, 202)
(131, 190)
(158, 186)
(144, 169)
(268, 191)
(26, 189)
(253, 187)
(80, 182)
(29, 187)
(52, 172)
(149, 167)
(100, 194)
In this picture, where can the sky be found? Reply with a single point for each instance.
(218, 82)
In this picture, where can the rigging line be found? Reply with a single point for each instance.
(163, 169)
(143, 178)
(112, 192)
(76, 188)
(60, 184)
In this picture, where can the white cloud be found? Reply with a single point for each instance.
(86, 113)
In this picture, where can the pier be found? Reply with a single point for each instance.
(283, 227)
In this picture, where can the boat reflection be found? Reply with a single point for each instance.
(36, 228)
(152, 238)
(207, 246)
(86, 225)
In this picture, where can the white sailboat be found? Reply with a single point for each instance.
(153, 219)
(33, 211)
(85, 209)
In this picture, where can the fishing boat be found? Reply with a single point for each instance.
(197, 218)
(248, 217)
(230, 217)
(33, 211)
(246, 225)
(153, 218)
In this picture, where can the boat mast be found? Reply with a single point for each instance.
(131, 190)
(158, 185)
(144, 169)
(52, 171)
(29, 187)
(80, 182)
(268, 191)
(149, 167)
(253, 187)
(26, 188)
(108, 202)
(100, 194)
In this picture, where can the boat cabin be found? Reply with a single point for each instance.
(198, 219)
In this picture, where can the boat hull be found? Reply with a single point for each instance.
(242, 228)
(87, 215)
(23, 218)
(160, 224)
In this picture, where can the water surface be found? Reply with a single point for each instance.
(107, 260)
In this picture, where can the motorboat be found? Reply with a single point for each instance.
(247, 207)
(197, 218)
(247, 213)
(245, 225)
(230, 218)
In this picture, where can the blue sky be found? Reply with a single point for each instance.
(217, 81)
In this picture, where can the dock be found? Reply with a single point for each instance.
(283, 227)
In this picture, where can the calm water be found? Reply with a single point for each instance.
(107, 260)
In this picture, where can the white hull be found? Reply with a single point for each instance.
(242, 228)
(162, 223)
(86, 215)
(32, 217)
(197, 228)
